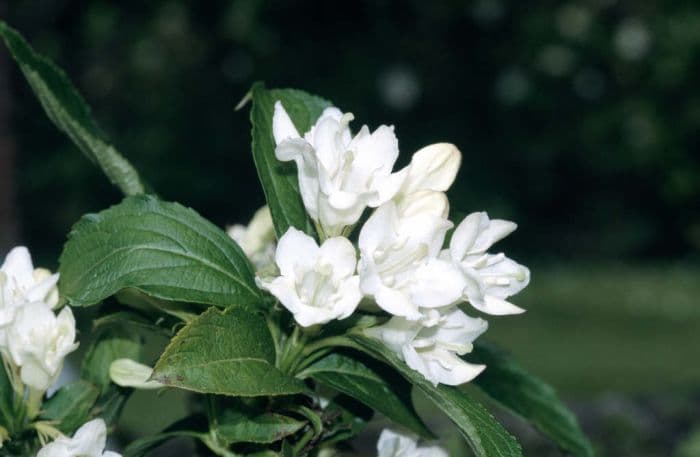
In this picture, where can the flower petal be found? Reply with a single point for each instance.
(397, 303)
(282, 125)
(433, 167)
(18, 267)
(436, 284)
(295, 250)
(339, 253)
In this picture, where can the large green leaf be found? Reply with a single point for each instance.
(69, 112)
(374, 384)
(238, 427)
(279, 179)
(486, 437)
(531, 398)
(230, 353)
(70, 406)
(161, 249)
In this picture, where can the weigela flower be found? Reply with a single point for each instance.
(88, 441)
(21, 283)
(38, 341)
(393, 444)
(433, 167)
(257, 239)
(433, 351)
(489, 278)
(339, 174)
(316, 284)
(399, 265)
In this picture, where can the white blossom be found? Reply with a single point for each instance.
(38, 341)
(489, 278)
(393, 444)
(434, 351)
(399, 265)
(130, 373)
(433, 167)
(88, 441)
(257, 239)
(316, 284)
(339, 174)
(21, 283)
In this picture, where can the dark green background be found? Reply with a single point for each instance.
(577, 119)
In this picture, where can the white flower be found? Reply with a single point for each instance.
(130, 373)
(490, 278)
(257, 239)
(433, 167)
(88, 441)
(316, 284)
(38, 341)
(433, 351)
(20, 283)
(399, 265)
(393, 444)
(339, 175)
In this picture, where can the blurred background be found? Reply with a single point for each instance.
(579, 119)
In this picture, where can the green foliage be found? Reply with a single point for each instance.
(279, 180)
(344, 418)
(229, 353)
(161, 249)
(70, 406)
(375, 385)
(239, 427)
(529, 397)
(69, 112)
(486, 437)
(112, 344)
(188, 427)
(8, 405)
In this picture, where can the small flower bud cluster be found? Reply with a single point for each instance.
(403, 266)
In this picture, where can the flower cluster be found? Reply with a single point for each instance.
(403, 266)
(34, 340)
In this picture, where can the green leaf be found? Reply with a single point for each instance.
(238, 427)
(112, 344)
(344, 418)
(529, 397)
(71, 405)
(279, 179)
(287, 449)
(229, 353)
(111, 403)
(190, 426)
(374, 384)
(8, 406)
(69, 112)
(161, 249)
(486, 437)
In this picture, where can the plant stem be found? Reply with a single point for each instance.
(34, 402)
